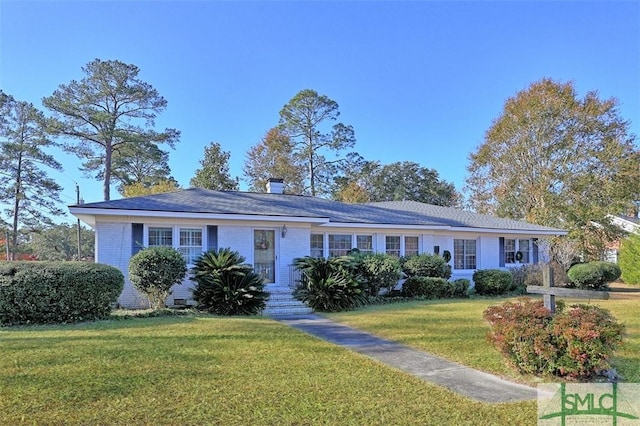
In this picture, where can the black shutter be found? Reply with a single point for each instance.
(136, 238)
(212, 237)
(534, 251)
(501, 251)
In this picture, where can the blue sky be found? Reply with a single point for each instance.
(419, 81)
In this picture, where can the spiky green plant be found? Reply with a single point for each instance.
(330, 285)
(225, 285)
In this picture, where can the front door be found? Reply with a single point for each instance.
(264, 254)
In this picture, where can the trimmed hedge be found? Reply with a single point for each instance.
(427, 265)
(593, 275)
(154, 271)
(57, 292)
(434, 288)
(492, 282)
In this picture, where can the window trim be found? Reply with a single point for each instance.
(529, 251)
(465, 267)
(175, 235)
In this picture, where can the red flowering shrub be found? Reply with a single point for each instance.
(574, 343)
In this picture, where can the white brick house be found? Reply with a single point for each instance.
(271, 229)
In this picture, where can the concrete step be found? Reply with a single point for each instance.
(286, 311)
(282, 303)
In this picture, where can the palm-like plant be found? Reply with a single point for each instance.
(226, 285)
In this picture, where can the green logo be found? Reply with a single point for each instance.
(588, 403)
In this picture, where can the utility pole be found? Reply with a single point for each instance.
(78, 203)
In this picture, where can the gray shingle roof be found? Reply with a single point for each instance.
(197, 200)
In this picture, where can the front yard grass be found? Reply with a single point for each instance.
(455, 330)
(211, 370)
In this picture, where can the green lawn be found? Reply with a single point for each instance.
(455, 329)
(255, 371)
(208, 370)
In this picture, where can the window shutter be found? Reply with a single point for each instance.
(212, 237)
(501, 251)
(136, 238)
(534, 251)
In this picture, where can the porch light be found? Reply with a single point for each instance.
(284, 230)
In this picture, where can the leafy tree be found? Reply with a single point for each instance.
(60, 242)
(554, 159)
(139, 189)
(364, 181)
(142, 164)
(274, 158)
(353, 183)
(24, 185)
(409, 181)
(629, 259)
(109, 108)
(302, 119)
(214, 173)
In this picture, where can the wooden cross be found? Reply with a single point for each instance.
(549, 292)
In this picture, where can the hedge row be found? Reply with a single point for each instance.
(57, 292)
(435, 288)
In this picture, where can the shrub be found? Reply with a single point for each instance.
(492, 282)
(593, 275)
(458, 288)
(575, 343)
(57, 292)
(379, 271)
(330, 285)
(610, 271)
(629, 259)
(430, 287)
(154, 270)
(427, 265)
(226, 285)
(521, 274)
(434, 288)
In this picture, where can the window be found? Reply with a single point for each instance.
(364, 243)
(410, 246)
(190, 243)
(509, 251)
(339, 245)
(392, 245)
(523, 248)
(317, 245)
(160, 237)
(464, 254)
(517, 250)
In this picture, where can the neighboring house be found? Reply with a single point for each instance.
(271, 229)
(628, 224)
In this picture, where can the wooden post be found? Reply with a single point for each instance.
(547, 282)
(549, 292)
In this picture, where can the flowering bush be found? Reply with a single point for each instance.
(575, 343)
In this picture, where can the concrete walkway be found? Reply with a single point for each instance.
(471, 383)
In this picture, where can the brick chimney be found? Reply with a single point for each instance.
(275, 186)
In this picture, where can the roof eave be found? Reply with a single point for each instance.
(88, 215)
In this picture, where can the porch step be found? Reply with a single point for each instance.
(281, 302)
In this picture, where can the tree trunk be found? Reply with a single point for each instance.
(16, 206)
(107, 172)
